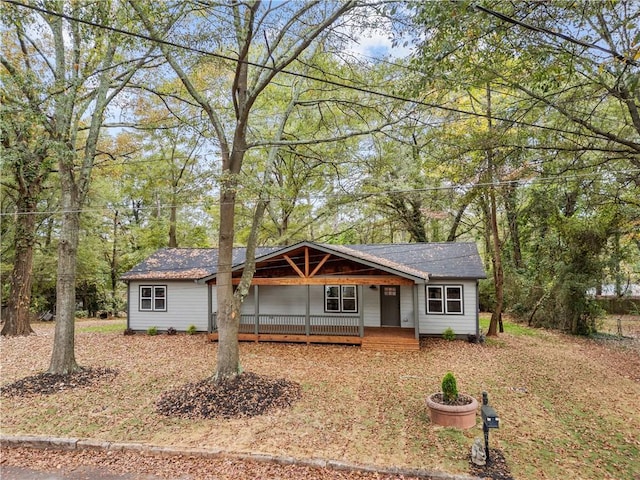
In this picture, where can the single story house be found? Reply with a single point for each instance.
(317, 292)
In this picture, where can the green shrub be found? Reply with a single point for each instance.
(192, 330)
(449, 334)
(152, 331)
(81, 314)
(449, 388)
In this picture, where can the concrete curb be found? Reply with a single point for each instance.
(57, 443)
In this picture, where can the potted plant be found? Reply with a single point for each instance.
(449, 408)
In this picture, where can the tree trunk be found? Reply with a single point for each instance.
(114, 264)
(63, 359)
(512, 219)
(17, 321)
(173, 241)
(228, 351)
(408, 211)
(616, 257)
(466, 200)
(486, 231)
(228, 319)
(498, 275)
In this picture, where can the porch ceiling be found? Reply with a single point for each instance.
(330, 280)
(309, 266)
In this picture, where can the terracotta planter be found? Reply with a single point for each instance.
(456, 416)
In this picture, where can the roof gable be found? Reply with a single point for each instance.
(308, 259)
(415, 261)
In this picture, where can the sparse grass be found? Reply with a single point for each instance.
(116, 326)
(568, 405)
(510, 326)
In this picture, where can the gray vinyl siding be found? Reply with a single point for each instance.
(186, 305)
(436, 324)
(214, 299)
(288, 300)
(371, 305)
(406, 306)
(276, 300)
(291, 300)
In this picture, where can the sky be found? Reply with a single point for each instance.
(378, 45)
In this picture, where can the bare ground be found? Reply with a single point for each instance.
(568, 406)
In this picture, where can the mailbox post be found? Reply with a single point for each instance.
(489, 420)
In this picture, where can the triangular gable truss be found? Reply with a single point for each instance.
(307, 263)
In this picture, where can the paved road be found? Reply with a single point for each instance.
(80, 473)
(44, 458)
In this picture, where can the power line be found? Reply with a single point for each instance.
(542, 180)
(295, 74)
(520, 23)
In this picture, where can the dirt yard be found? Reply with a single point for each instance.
(568, 406)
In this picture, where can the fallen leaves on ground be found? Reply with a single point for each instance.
(495, 469)
(50, 383)
(357, 406)
(140, 465)
(246, 395)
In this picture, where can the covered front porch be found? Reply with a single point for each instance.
(315, 295)
(321, 329)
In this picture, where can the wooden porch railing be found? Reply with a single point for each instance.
(296, 324)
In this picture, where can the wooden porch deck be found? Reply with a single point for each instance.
(378, 339)
(390, 339)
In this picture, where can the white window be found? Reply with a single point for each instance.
(445, 299)
(434, 300)
(153, 298)
(340, 298)
(454, 299)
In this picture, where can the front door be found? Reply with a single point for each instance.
(390, 305)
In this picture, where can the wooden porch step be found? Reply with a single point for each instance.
(391, 344)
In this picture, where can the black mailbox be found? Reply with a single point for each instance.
(489, 420)
(489, 417)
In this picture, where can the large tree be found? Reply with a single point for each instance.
(251, 45)
(26, 165)
(566, 76)
(77, 70)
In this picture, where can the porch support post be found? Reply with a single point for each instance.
(209, 308)
(416, 316)
(307, 314)
(129, 305)
(256, 304)
(478, 309)
(361, 311)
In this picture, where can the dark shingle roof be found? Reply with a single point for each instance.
(184, 263)
(422, 260)
(439, 260)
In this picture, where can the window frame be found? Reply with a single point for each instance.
(444, 299)
(440, 299)
(459, 300)
(341, 299)
(153, 298)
